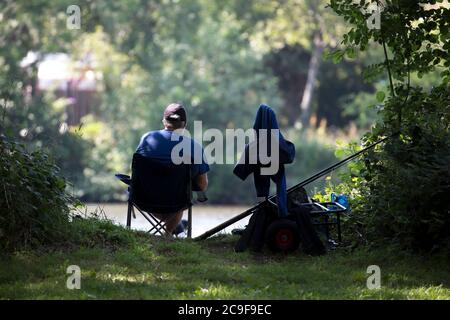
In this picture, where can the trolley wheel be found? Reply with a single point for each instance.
(282, 236)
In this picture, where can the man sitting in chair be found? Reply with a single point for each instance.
(158, 145)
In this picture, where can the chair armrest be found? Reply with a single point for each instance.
(124, 178)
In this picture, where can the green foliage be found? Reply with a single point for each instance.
(34, 202)
(27, 115)
(364, 106)
(202, 58)
(207, 65)
(40, 125)
(37, 210)
(291, 22)
(313, 153)
(408, 180)
(417, 35)
(208, 55)
(337, 84)
(97, 181)
(402, 185)
(381, 96)
(93, 230)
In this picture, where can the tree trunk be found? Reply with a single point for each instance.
(314, 65)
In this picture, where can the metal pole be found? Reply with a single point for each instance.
(129, 215)
(339, 227)
(189, 235)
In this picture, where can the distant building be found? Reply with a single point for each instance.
(79, 82)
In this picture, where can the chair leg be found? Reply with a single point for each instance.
(156, 224)
(189, 233)
(130, 207)
(327, 227)
(339, 228)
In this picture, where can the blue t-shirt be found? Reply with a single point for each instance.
(170, 147)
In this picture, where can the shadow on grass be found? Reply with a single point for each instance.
(184, 269)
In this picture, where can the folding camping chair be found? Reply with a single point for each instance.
(159, 188)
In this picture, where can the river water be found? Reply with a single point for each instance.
(204, 217)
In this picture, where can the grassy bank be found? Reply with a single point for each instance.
(131, 265)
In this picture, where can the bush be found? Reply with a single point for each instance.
(403, 185)
(408, 182)
(35, 206)
(399, 190)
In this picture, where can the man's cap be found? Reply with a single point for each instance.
(175, 112)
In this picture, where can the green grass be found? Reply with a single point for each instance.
(144, 267)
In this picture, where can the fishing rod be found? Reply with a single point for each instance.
(303, 183)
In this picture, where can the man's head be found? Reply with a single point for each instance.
(174, 117)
